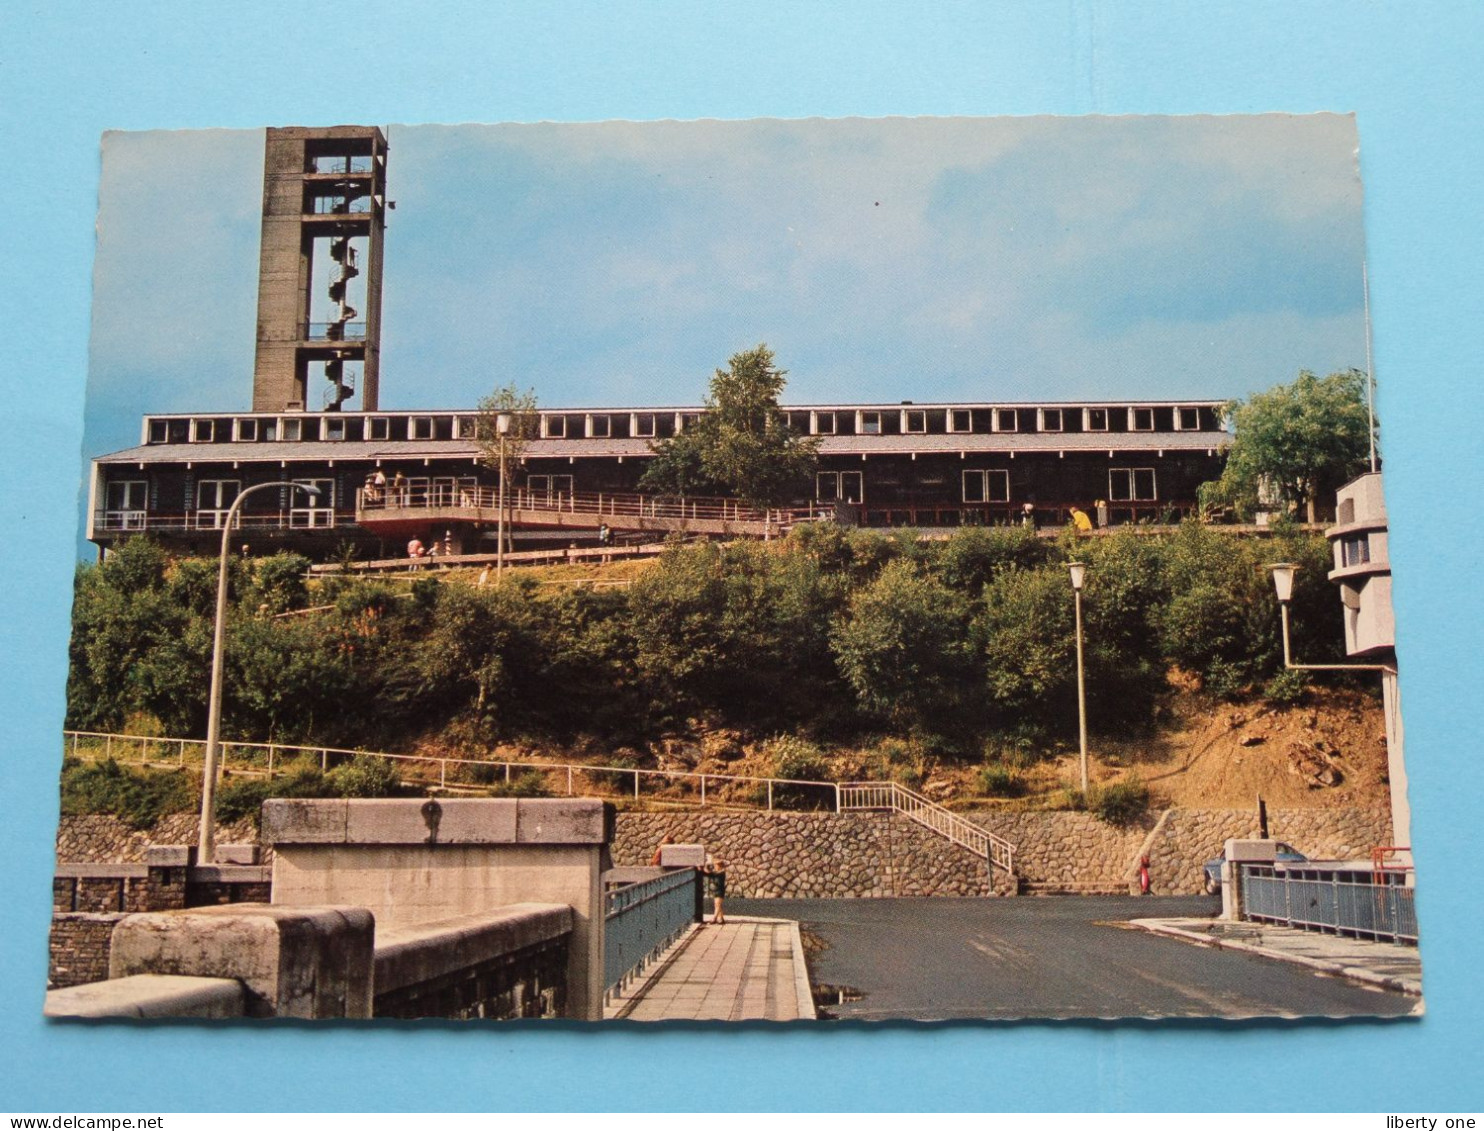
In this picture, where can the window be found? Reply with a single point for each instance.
(214, 498)
(822, 423)
(839, 486)
(420, 428)
(1095, 419)
(599, 427)
(642, 424)
(378, 428)
(1131, 484)
(124, 504)
(203, 431)
(245, 430)
(1188, 419)
(914, 420)
(554, 427)
(986, 486)
(312, 512)
(1141, 420)
(960, 420)
(1355, 550)
(1051, 420)
(466, 427)
(293, 429)
(127, 495)
(335, 428)
(269, 430)
(158, 431)
(548, 488)
(1006, 420)
(870, 424)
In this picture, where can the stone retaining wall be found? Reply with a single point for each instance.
(827, 855)
(810, 855)
(80, 947)
(102, 839)
(1190, 837)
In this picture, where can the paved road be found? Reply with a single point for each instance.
(934, 959)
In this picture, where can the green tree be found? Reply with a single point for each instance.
(904, 650)
(1297, 442)
(742, 445)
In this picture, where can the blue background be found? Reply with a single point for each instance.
(1411, 74)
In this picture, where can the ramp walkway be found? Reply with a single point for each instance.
(746, 969)
(415, 503)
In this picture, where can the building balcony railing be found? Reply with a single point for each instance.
(295, 518)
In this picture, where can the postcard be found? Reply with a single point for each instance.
(807, 571)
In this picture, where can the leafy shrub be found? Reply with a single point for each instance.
(906, 761)
(1286, 688)
(1073, 799)
(527, 783)
(244, 797)
(999, 781)
(904, 648)
(1122, 803)
(1225, 680)
(800, 760)
(363, 776)
(797, 758)
(137, 797)
(279, 582)
(1019, 747)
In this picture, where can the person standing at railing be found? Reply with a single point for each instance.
(605, 535)
(715, 872)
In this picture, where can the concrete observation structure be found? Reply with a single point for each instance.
(1362, 569)
(324, 214)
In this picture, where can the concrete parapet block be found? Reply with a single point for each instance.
(294, 820)
(415, 955)
(149, 996)
(436, 821)
(170, 855)
(563, 820)
(307, 962)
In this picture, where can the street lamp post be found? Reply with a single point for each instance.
(206, 852)
(1401, 820)
(1079, 573)
(1283, 582)
(502, 429)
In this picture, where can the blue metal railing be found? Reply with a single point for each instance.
(1337, 900)
(641, 920)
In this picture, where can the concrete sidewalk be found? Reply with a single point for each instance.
(1390, 966)
(746, 969)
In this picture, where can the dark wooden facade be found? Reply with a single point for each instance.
(879, 465)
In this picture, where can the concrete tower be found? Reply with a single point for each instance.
(319, 272)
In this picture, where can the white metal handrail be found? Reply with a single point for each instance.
(277, 754)
(998, 851)
(430, 493)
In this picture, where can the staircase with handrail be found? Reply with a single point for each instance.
(996, 850)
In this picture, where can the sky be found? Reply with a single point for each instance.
(883, 259)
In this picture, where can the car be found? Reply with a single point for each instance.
(1286, 854)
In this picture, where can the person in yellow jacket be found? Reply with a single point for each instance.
(1080, 520)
